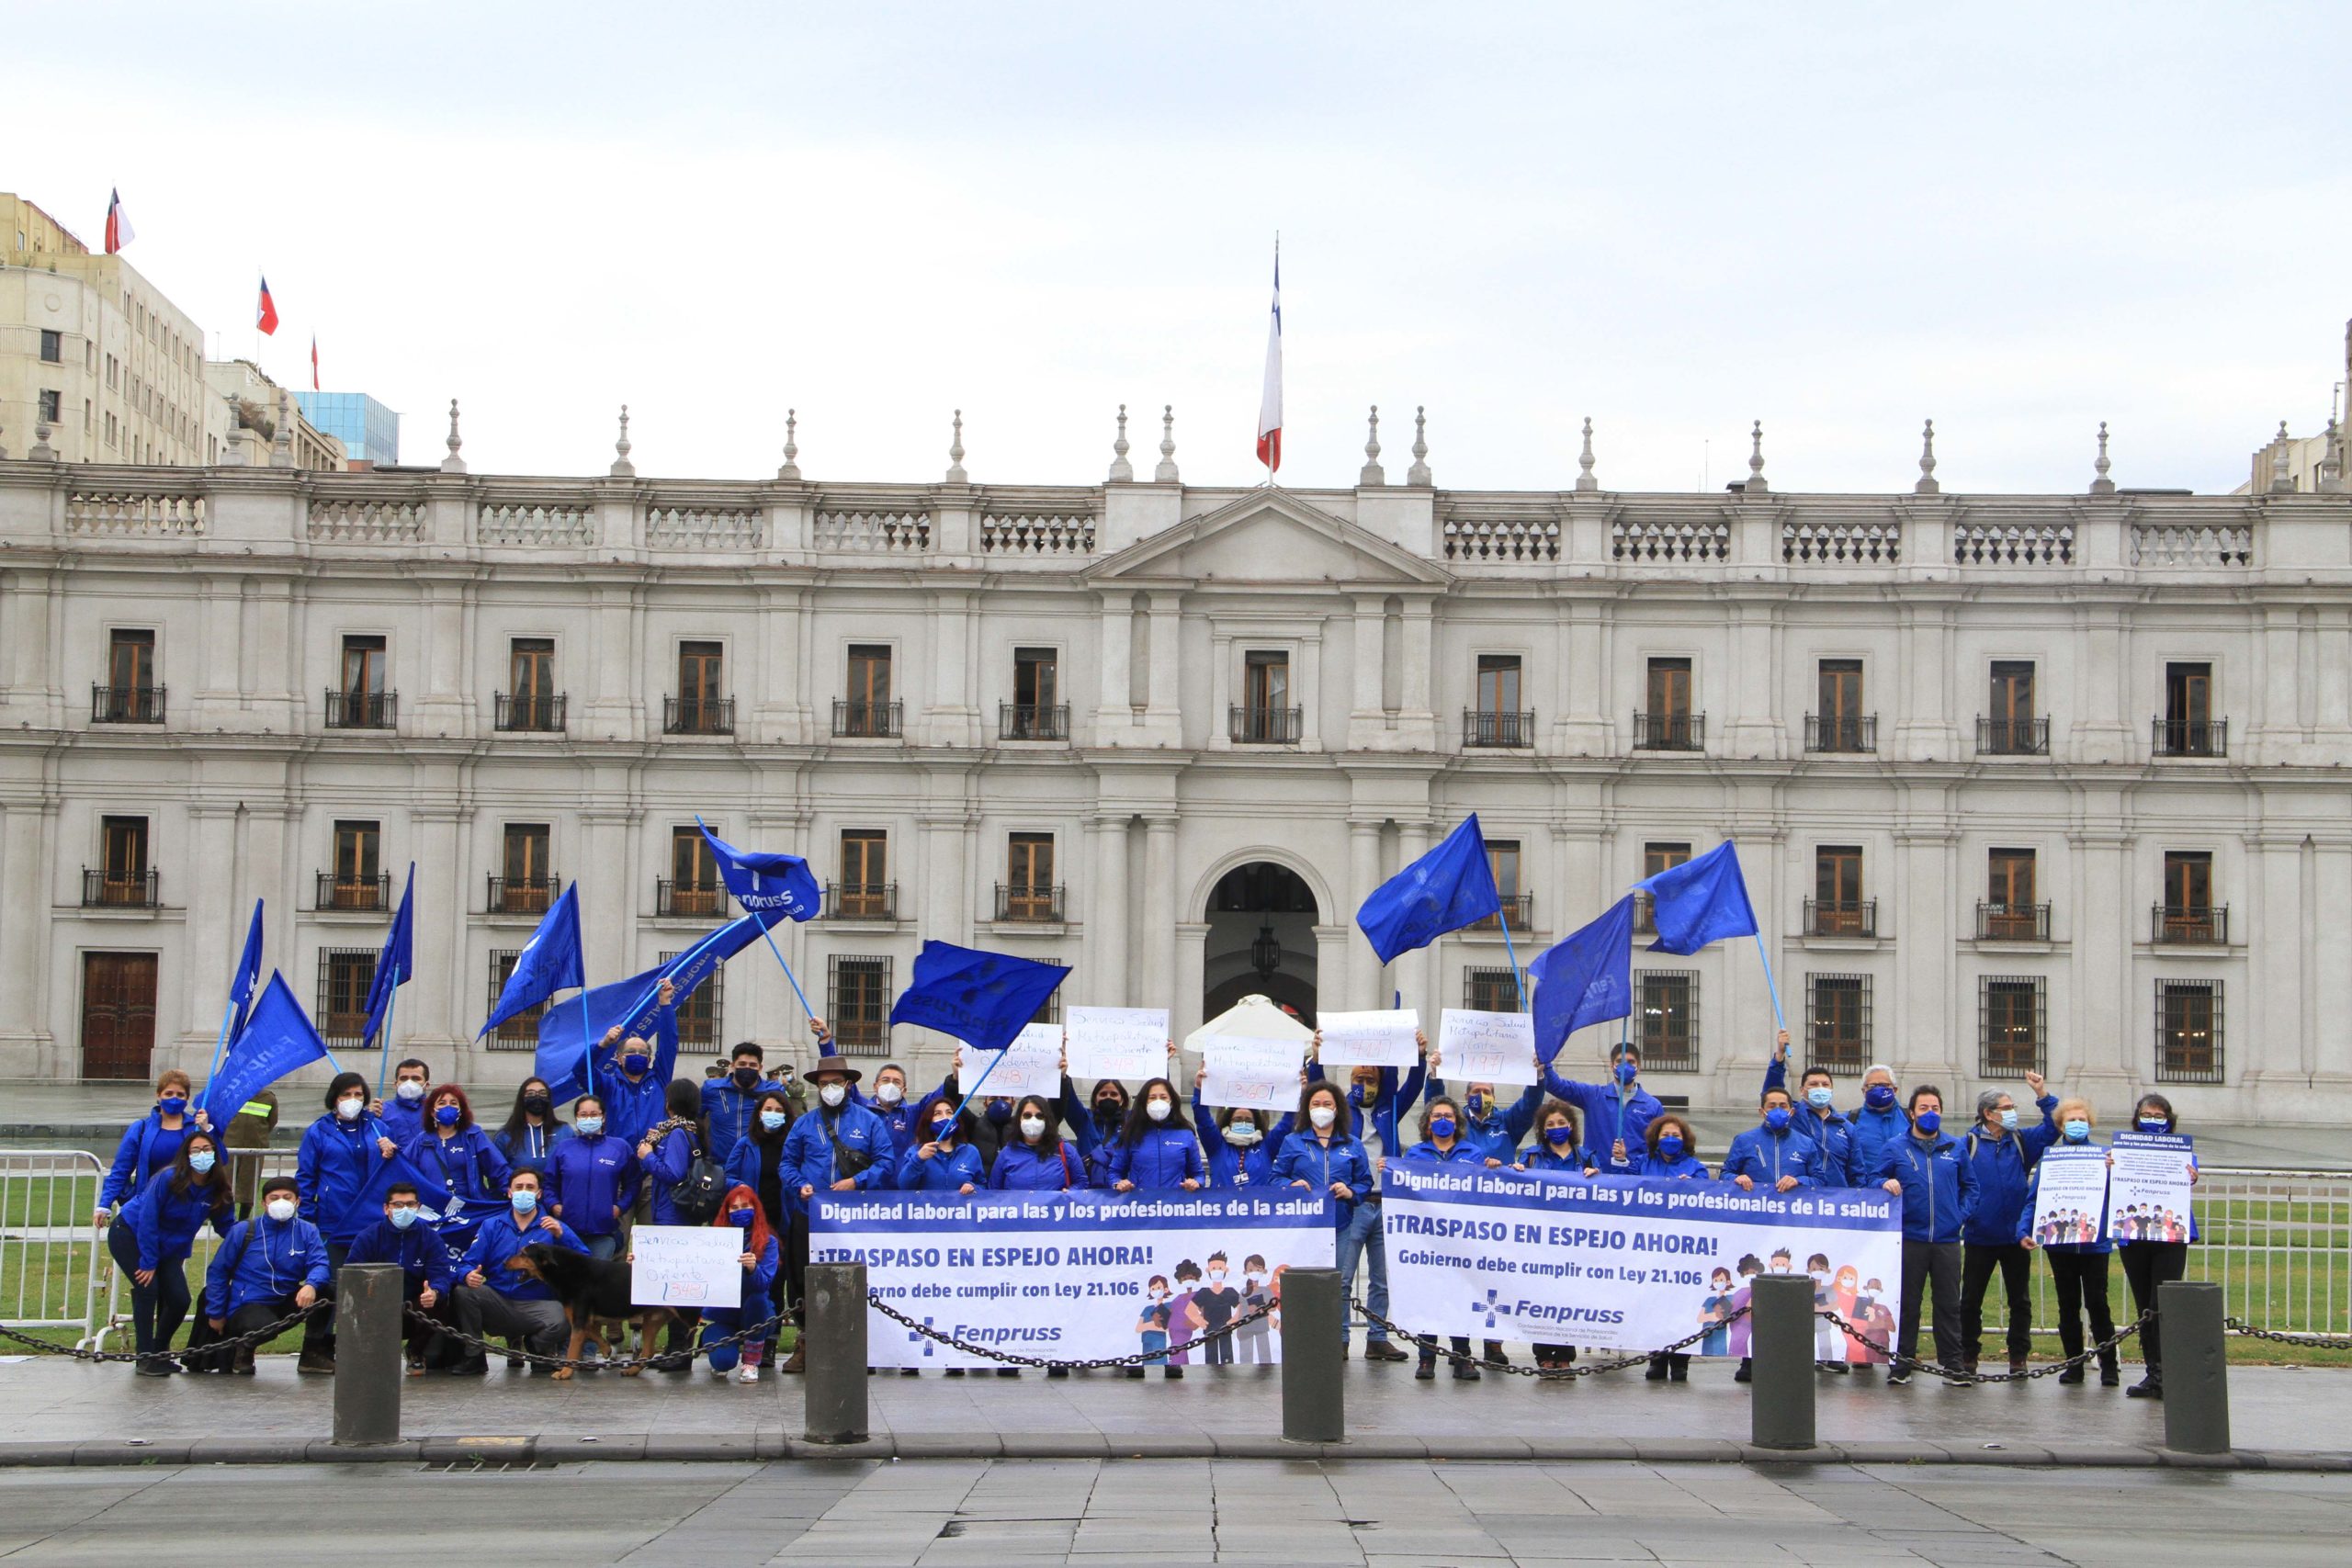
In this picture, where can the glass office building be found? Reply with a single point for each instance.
(370, 432)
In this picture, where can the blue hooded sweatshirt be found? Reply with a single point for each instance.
(1603, 1126)
(945, 1171)
(147, 1147)
(1306, 1159)
(264, 1259)
(2004, 1171)
(1023, 1168)
(423, 1255)
(1875, 1132)
(467, 1161)
(1161, 1158)
(1939, 1186)
(730, 1112)
(825, 1145)
(588, 1179)
(1498, 1130)
(334, 1168)
(1764, 1156)
(529, 1147)
(504, 1235)
(1842, 1162)
(166, 1223)
(634, 1107)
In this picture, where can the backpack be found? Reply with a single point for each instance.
(697, 1195)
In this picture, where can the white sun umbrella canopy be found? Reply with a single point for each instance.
(1252, 1018)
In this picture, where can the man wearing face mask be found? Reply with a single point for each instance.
(404, 1236)
(1492, 1128)
(1819, 1119)
(1214, 1304)
(1928, 1172)
(335, 1169)
(1616, 1114)
(838, 1147)
(904, 1117)
(731, 1104)
(404, 1114)
(633, 1073)
(271, 1267)
(1878, 1125)
(494, 1300)
(1775, 1155)
(2001, 1156)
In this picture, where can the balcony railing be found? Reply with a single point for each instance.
(1033, 721)
(1669, 731)
(523, 894)
(126, 705)
(1840, 732)
(1518, 912)
(537, 715)
(671, 901)
(1490, 726)
(1020, 902)
(1265, 727)
(2194, 925)
(1841, 917)
(1645, 915)
(698, 716)
(867, 721)
(2192, 738)
(2012, 922)
(361, 710)
(861, 901)
(121, 889)
(2012, 737)
(353, 893)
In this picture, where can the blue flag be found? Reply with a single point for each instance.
(241, 989)
(1586, 977)
(982, 999)
(277, 1040)
(548, 963)
(1449, 887)
(1700, 901)
(765, 884)
(394, 965)
(629, 1003)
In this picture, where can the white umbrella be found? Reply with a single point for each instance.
(1252, 1018)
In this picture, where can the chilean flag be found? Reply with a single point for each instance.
(119, 232)
(266, 313)
(315, 361)
(1270, 401)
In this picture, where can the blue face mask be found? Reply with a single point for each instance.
(636, 1062)
(200, 1161)
(771, 1119)
(1477, 1102)
(2154, 1124)
(1879, 1096)
(1817, 1097)
(1929, 1121)
(1441, 1127)
(2077, 1131)
(588, 1126)
(1000, 1112)
(1628, 1071)
(523, 1200)
(1559, 1137)
(447, 1115)
(739, 1217)
(1777, 1119)
(404, 1218)
(1670, 1144)
(172, 1104)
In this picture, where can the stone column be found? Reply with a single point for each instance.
(2266, 1048)
(610, 663)
(1333, 947)
(1755, 727)
(946, 911)
(1106, 966)
(1114, 718)
(606, 878)
(218, 912)
(1362, 985)
(1163, 715)
(2331, 983)
(2108, 1002)
(433, 1005)
(1310, 692)
(1367, 724)
(779, 711)
(24, 1034)
(2105, 728)
(1925, 732)
(1416, 972)
(1157, 934)
(952, 716)
(1417, 724)
(1926, 904)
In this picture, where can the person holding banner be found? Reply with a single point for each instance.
(404, 1114)
(1818, 1118)
(150, 1144)
(1616, 1114)
(1773, 1154)
(532, 1130)
(2148, 1264)
(1496, 1130)
(1670, 1153)
(1034, 1158)
(1556, 1147)
(2002, 1157)
(153, 1236)
(427, 1270)
(1937, 1184)
(2077, 1261)
(945, 1161)
(835, 1146)
(740, 1210)
(1096, 1130)
(591, 1179)
(269, 1268)
(1235, 1142)
(1324, 1156)
(1157, 1149)
(1442, 1143)
(453, 1148)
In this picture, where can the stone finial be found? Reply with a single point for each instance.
(1756, 485)
(955, 474)
(1927, 484)
(232, 445)
(2100, 483)
(791, 469)
(1585, 482)
(1122, 471)
(1373, 473)
(3, 445)
(2331, 462)
(40, 452)
(281, 443)
(622, 468)
(453, 464)
(1166, 473)
(1419, 474)
(2282, 476)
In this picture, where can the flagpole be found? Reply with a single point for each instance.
(994, 1057)
(761, 920)
(228, 1015)
(1769, 984)
(1503, 918)
(384, 1049)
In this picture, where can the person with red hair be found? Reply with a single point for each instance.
(740, 1209)
(450, 1148)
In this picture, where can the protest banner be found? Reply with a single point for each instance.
(1486, 1047)
(1117, 1043)
(1627, 1263)
(1032, 1064)
(695, 1266)
(1382, 1039)
(2148, 1191)
(1074, 1275)
(1261, 1075)
(2069, 1195)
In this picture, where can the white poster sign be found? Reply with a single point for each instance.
(2069, 1195)
(2147, 1186)
(686, 1266)
(1117, 1043)
(1383, 1039)
(1486, 1047)
(1032, 1064)
(1260, 1073)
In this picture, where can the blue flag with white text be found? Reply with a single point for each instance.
(1700, 901)
(1585, 977)
(764, 882)
(550, 963)
(1449, 887)
(394, 965)
(241, 988)
(277, 1039)
(982, 999)
(629, 1003)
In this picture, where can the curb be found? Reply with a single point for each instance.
(738, 1449)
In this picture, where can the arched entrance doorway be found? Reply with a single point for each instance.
(1260, 940)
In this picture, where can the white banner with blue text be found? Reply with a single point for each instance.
(1075, 1276)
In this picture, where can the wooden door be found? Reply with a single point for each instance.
(117, 1015)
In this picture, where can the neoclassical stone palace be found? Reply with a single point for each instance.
(2019, 781)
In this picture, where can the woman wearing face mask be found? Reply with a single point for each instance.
(532, 1129)
(740, 1210)
(269, 1267)
(1235, 1142)
(150, 1144)
(1556, 1147)
(945, 1161)
(1157, 1149)
(1669, 1152)
(1323, 1155)
(2077, 1266)
(1097, 1128)
(667, 1153)
(335, 1169)
(453, 1148)
(1443, 1142)
(153, 1235)
(757, 1160)
(1035, 1160)
(2148, 1264)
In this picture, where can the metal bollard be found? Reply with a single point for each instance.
(1779, 1405)
(2196, 1367)
(1315, 1399)
(834, 1331)
(367, 1340)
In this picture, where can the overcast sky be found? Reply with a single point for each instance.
(1675, 218)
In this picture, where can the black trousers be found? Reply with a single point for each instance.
(157, 1310)
(2081, 1279)
(1923, 1262)
(1562, 1354)
(2146, 1265)
(794, 1275)
(1977, 1263)
(316, 1341)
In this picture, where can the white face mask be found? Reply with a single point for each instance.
(349, 1110)
(1321, 1115)
(833, 1094)
(888, 1093)
(1254, 1280)
(1032, 1126)
(282, 1209)
(409, 1089)
(1217, 1276)
(1158, 1109)
(1241, 1132)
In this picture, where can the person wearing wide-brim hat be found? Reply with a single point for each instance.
(837, 1145)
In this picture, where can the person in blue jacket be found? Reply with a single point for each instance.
(404, 1114)
(337, 1169)
(903, 1116)
(1158, 1149)
(730, 1105)
(1818, 1118)
(2002, 1155)
(633, 1073)
(1236, 1142)
(1094, 1129)
(150, 1144)
(757, 1160)
(496, 1300)
(1879, 1124)
(1035, 1158)
(1616, 1114)
(1773, 1154)
(269, 1267)
(1937, 1185)
(155, 1234)
(1324, 1154)
(591, 1179)
(2148, 1264)
(834, 1146)
(945, 1161)
(666, 1151)
(1494, 1128)
(1555, 1149)
(1669, 1152)
(1444, 1142)
(2077, 1266)
(463, 1155)
(740, 1210)
(404, 1236)
(532, 1129)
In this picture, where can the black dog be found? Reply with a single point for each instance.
(593, 1292)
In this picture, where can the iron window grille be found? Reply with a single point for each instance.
(2188, 1032)
(344, 975)
(1837, 1021)
(520, 1032)
(1666, 1012)
(857, 1003)
(2012, 1025)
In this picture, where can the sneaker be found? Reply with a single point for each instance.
(1897, 1380)
(1381, 1351)
(748, 1373)
(1840, 1367)
(1958, 1379)
(152, 1369)
(313, 1361)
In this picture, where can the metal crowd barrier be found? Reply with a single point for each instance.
(52, 1257)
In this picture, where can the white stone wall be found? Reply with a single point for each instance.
(1152, 594)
